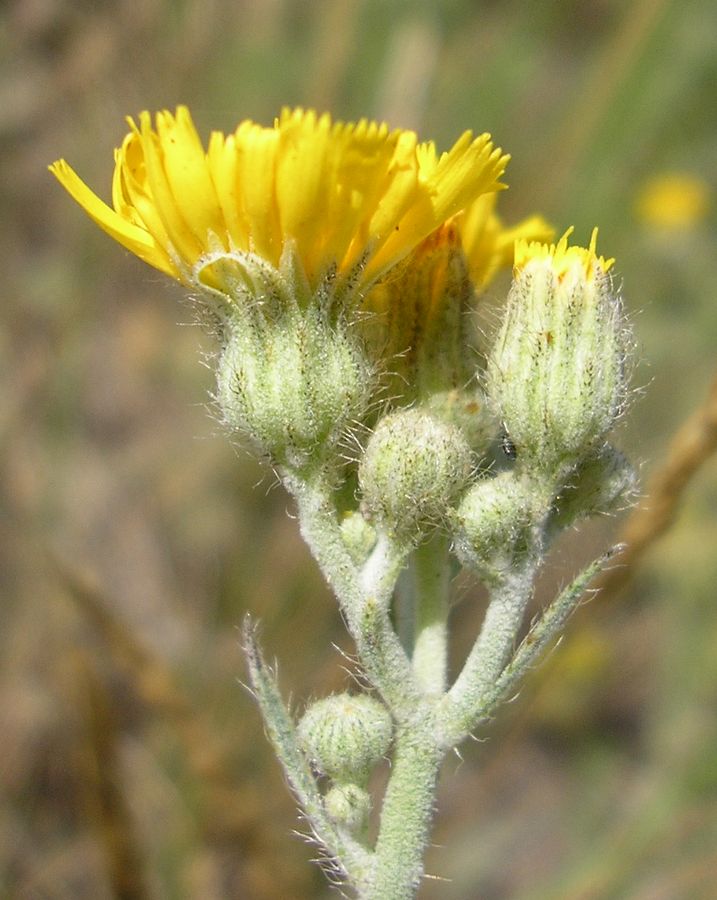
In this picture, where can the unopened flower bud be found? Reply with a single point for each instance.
(466, 408)
(556, 375)
(348, 805)
(344, 735)
(492, 524)
(420, 324)
(295, 384)
(413, 469)
(359, 536)
(598, 486)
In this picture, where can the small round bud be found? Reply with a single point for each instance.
(359, 536)
(296, 384)
(344, 735)
(599, 486)
(556, 375)
(413, 468)
(348, 805)
(492, 524)
(467, 410)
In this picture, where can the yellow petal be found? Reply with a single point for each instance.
(256, 166)
(561, 258)
(353, 198)
(185, 165)
(131, 192)
(445, 186)
(302, 180)
(488, 244)
(130, 235)
(222, 163)
(358, 174)
(180, 235)
(388, 240)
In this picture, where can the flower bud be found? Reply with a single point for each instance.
(556, 375)
(466, 408)
(348, 805)
(344, 735)
(359, 536)
(419, 324)
(295, 384)
(492, 524)
(413, 468)
(599, 485)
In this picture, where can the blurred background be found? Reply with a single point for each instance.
(133, 535)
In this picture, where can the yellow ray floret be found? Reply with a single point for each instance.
(561, 258)
(351, 197)
(488, 244)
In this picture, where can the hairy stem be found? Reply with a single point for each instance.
(407, 813)
(430, 573)
(343, 853)
(490, 653)
(364, 594)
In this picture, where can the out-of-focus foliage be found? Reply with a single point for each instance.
(133, 765)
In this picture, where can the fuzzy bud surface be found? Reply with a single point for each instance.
(344, 735)
(599, 485)
(348, 805)
(296, 384)
(414, 467)
(492, 523)
(556, 375)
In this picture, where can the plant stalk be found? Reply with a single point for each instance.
(430, 571)
(407, 813)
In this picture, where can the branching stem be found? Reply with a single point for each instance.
(430, 582)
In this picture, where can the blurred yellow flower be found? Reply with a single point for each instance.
(561, 258)
(673, 201)
(353, 199)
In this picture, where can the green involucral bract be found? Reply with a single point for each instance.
(344, 735)
(295, 383)
(556, 374)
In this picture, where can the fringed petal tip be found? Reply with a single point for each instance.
(561, 257)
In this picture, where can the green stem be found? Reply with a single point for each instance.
(463, 706)
(403, 606)
(490, 653)
(430, 572)
(321, 531)
(545, 629)
(364, 594)
(406, 814)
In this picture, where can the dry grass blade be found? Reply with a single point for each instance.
(151, 679)
(230, 819)
(104, 788)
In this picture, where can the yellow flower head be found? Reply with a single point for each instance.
(562, 259)
(347, 198)
(673, 201)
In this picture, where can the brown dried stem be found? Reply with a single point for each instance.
(105, 799)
